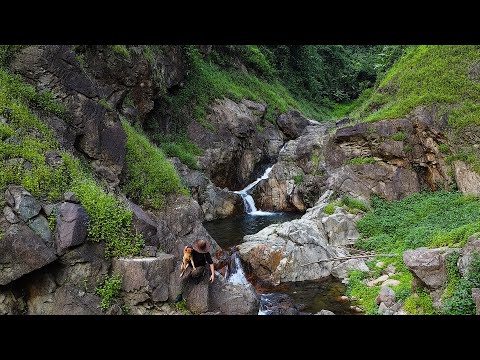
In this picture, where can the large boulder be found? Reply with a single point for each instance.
(281, 252)
(428, 265)
(386, 296)
(21, 252)
(71, 226)
(22, 202)
(11, 304)
(292, 123)
(144, 278)
(197, 296)
(233, 299)
(69, 300)
(467, 252)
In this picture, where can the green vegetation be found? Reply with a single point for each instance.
(105, 104)
(408, 148)
(180, 147)
(150, 176)
(419, 303)
(181, 306)
(350, 204)
(361, 161)
(399, 136)
(467, 154)
(298, 179)
(121, 50)
(424, 219)
(444, 148)
(428, 75)
(26, 140)
(461, 302)
(108, 290)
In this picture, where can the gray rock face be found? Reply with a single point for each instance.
(95, 131)
(292, 123)
(144, 223)
(197, 296)
(69, 300)
(386, 296)
(10, 215)
(400, 168)
(10, 304)
(340, 228)
(236, 151)
(144, 278)
(428, 265)
(298, 178)
(216, 203)
(71, 229)
(233, 299)
(467, 252)
(41, 294)
(22, 251)
(476, 298)
(468, 181)
(22, 202)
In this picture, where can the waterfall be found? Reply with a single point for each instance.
(236, 273)
(248, 201)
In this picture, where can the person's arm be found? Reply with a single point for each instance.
(212, 270)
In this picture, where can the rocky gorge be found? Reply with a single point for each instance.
(95, 239)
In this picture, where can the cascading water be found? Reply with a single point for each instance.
(236, 273)
(248, 201)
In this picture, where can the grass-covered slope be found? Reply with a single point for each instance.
(447, 76)
(423, 219)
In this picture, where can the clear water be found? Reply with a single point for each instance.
(314, 295)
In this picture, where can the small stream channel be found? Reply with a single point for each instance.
(307, 296)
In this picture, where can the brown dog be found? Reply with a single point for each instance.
(187, 259)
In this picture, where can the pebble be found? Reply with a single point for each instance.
(343, 298)
(377, 281)
(357, 309)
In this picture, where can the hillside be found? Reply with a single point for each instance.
(116, 157)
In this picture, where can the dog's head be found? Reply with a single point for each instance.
(188, 250)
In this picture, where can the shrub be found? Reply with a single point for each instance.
(361, 161)
(352, 203)
(298, 179)
(108, 290)
(329, 209)
(121, 50)
(399, 136)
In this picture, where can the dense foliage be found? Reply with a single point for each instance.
(424, 219)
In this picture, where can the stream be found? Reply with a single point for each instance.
(304, 297)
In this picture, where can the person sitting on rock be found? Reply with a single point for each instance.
(201, 256)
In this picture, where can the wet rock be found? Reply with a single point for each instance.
(22, 251)
(39, 225)
(70, 196)
(292, 123)
(428, 265)
(233, 299)
(467, 253)
(386, 296)
(22, 202)
(69, 300)
(277, 304)
(325, 312)
(476, 298)
(144, 278)
(71, 226)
